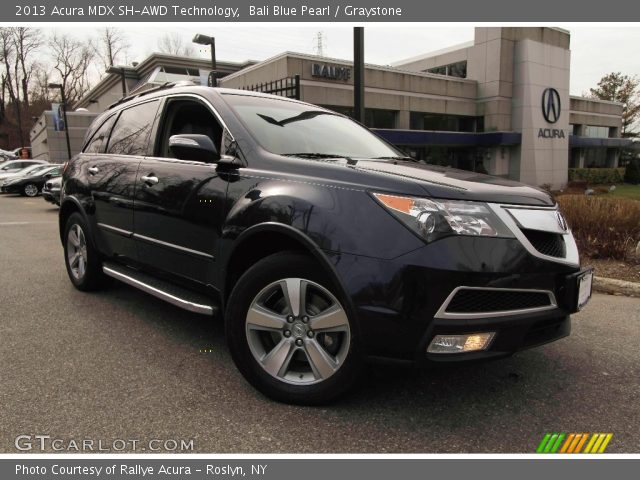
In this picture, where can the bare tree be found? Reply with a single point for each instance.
(110, 46)
(26, 41)
(173, 44)
(39, 84)
(72, 59)
(10, 63)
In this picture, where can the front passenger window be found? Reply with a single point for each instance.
(188, 117)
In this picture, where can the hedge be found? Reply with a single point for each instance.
(603, 227)
(632, 174)
(596, 175)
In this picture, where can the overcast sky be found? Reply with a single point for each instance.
(595, 51)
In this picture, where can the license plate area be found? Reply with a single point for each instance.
(583, 287)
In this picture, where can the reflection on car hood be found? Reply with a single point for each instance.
(446, 182)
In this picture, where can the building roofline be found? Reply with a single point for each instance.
(149, 63)
(595, 100)
(435, 53)
(306, 56)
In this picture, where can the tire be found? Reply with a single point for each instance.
(83, 262)
(308, 357)
(30, 190)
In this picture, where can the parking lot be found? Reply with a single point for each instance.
(120, 364)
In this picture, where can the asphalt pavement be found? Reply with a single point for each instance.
(119, 365)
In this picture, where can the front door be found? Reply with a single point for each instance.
(180, 204)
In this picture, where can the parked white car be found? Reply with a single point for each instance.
(20, 167)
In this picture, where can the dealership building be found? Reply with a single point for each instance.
(499, 104)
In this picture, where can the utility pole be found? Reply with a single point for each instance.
(358, 74)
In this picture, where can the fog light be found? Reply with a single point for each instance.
(460, 343)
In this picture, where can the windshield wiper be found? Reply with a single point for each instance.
(314, 155)
(396, 158)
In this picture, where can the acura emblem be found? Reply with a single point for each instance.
(551, 105)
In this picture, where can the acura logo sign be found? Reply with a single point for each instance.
(551, 105)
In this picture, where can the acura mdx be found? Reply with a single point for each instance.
(320, 245)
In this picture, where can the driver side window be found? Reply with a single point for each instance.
(188, 117)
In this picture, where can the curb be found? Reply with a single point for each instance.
(613, 286)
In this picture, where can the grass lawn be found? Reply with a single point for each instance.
(627, 190)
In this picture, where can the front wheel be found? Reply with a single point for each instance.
(288, 332)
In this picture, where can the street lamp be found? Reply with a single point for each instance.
(60, 87)
(201, 39)
(119, 71)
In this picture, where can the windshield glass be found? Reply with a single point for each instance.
(33, 169)
(40, 171)
(290, 128)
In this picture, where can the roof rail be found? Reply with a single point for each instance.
(182, 83)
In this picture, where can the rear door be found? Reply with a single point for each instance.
(112, 175)
(180, 204)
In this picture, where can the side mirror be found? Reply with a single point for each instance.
(199, 148)
(48, 175)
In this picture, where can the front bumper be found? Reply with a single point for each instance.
(398, 303)
(51, 196)
(11, 188)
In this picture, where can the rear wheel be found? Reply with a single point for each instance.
(288, 332)
(83, 263)
(30, 190)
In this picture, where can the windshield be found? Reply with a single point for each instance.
(44, 169)
(35, 169)
(290, 128)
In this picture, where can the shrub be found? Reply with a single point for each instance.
(632, 172)
(596, 175)
(603, 227)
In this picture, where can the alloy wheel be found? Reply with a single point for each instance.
(297, 331)
(31, 190)
(77, 252)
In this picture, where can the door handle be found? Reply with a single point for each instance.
(150, 180)
(93, 170)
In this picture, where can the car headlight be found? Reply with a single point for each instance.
(436, 218)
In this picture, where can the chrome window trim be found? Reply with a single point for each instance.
(443, 314)
(571, 257)
(172, 245)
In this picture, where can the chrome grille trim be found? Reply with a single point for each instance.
(571, 250)
(442, 311)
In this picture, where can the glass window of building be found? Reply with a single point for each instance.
(596, 131)
(457, 69)
(176, 74)
(445, 123)
(373, 117)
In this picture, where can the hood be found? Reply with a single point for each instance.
(454, 184)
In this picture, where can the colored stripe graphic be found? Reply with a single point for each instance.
(581, 443)
(606, 441)
(574, 443)
(543, 443)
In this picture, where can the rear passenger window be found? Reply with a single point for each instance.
(130, 135)
(99, 139)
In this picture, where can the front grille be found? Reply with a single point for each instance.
(547, 243)
(478, 301)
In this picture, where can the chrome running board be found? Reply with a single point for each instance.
(166, 291)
